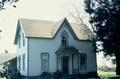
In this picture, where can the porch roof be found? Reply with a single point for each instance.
(67, 50)
(5, 57)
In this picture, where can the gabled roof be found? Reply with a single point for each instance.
(66, 50)
(48, 29)
(37, 28)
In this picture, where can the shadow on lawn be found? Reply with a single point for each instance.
(116, 77)
(112, 78)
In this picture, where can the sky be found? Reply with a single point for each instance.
(35, 9)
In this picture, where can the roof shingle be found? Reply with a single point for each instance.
(47, 29)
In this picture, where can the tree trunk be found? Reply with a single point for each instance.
(117, 64)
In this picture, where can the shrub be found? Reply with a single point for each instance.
(93, 74)
(46, 75)
(16, 75)
(58, 74)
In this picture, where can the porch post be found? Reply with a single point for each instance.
(72, 63)
(78, 62)
(57, 62)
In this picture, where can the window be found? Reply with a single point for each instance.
(64, 41)
(44, 62)
(64, 38)
(23, 59)
(19, 62)
(23, 39)
(83, 61)
(19, 40)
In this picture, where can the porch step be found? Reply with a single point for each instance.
(68, 77)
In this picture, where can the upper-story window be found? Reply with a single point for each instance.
(64, 38)
(23, 39)
(19, 40)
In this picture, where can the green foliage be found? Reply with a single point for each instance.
(105, 21)
(46, 75)
(58, 74)
(108, 75)
(105, 18)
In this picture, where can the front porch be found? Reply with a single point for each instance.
(68, 60)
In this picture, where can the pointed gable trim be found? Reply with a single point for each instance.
(19, 26)
(65, 21)
(17, 32)
(34, 29)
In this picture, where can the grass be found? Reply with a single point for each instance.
(108, 75)
(2, 78)
(102, 75)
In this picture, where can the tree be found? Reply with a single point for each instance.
(105, 21)
(3, 2)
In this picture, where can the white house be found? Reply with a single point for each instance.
(48, 46)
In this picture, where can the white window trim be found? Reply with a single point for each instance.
(47, 69)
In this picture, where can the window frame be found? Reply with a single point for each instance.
(19, 40)
(19, 62)
(42, 60)
(83, 64)
(64, 38)
(23, 60)
(23, 39)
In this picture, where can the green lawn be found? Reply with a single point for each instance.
(103, 75)
(108, 75)
(2, 78)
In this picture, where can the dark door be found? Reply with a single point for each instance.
(65, 65)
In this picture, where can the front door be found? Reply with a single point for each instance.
(65, 65)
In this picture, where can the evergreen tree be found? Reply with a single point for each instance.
(105, 21)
